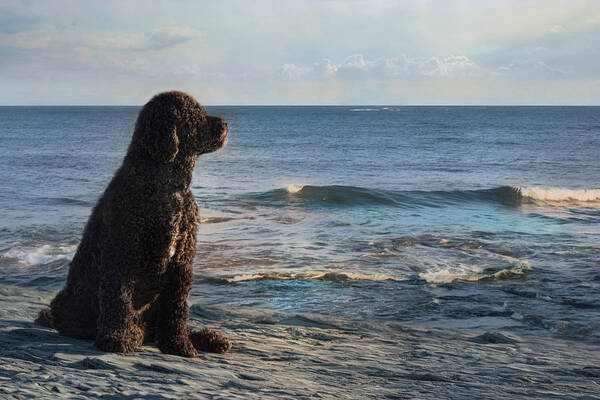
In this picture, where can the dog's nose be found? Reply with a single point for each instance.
(218, 125)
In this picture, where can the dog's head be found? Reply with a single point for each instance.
(173, 124)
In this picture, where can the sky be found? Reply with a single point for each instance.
(298, 52)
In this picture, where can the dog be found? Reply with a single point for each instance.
(130, 277)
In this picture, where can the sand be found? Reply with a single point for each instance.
(279, 355)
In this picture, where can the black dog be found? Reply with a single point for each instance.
(130, 278)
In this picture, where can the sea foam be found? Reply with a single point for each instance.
(28, 256)
(293, 188)
(333, 276)
(352, 195)
(559, 193)
(469, 273)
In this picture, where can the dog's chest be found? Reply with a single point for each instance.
(175, 239)
(184, 225)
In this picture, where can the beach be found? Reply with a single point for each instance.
(348, 252)
(281, 355)
(335, 199)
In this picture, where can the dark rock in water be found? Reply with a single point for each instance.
(493, 338)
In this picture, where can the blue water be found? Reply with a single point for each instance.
(453, 217)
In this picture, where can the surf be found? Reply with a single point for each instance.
(341, 195)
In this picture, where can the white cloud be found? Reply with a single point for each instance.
(52, 38)
(442, 66)
(529, 67)
(293, 71)
(60, 51)
(326, 68)
(166, 37)
(557, 29)
(357, 66)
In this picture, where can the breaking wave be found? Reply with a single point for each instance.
(464, 273)
(28, 256)
(441, 273)
(332, 276)
(559, 194)
(338, 195)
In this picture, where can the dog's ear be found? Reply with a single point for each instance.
(158, 134)
(162, 143)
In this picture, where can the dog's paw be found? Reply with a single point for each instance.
(116, 344)
(45, 318)
(212, 341)
(183, 348)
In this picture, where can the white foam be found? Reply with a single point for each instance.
(40, 255)
(336, 276)
(463, 272)
(214, 220)
(559, 193)
(293, 188)
(374, 109)
(352, 276)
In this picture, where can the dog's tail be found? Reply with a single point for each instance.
(45, 318)
(208, 340)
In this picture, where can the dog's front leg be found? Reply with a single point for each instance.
(172, 332)
(117, 328)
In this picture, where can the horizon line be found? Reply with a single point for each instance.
(314, 105)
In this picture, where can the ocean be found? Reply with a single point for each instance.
(443, 217)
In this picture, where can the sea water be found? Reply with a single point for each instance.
(451, 217)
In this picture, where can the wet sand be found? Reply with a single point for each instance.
(278, 355)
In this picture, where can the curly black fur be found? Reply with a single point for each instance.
(131, 275)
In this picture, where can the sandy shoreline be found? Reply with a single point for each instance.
(278, 355)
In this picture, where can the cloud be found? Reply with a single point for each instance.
(355, 51)
(53, 52)
(527, 67)
(154, 40)
(294, 72)
(358, 67)
(441, 66)
(557, 29)
(53, 38)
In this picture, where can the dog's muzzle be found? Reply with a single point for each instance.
(219, 132)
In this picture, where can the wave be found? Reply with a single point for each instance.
(28, 256)
(373, 109)
(333, 195)
(559, 194)
(338, 195)
(332, 276)
(64, 201)
(214, 220)
(464, 273)
(292, 188)
(442, 274)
